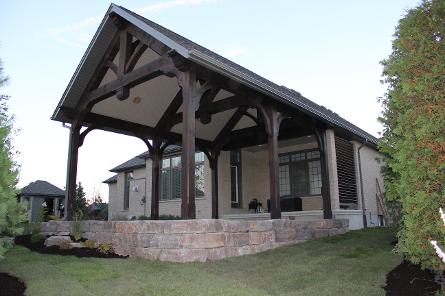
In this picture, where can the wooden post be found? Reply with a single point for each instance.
(156, 158)
(188, 84)
(272, 120)
(214, 168)
(70, 193)
(325, 190)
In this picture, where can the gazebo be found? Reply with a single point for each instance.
(138, 78)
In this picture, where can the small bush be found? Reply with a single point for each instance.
(77, 231)
(143, 217)
(169, 217)
(90, 244)
(37, 237)
(104, 248)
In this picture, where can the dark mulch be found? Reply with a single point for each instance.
(39, 247)
(11, 286)
(408, 279)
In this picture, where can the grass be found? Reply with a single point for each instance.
(351, 264)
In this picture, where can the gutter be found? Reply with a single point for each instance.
(365, 223)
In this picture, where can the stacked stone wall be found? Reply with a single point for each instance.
(197, 240)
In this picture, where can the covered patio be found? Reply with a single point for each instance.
(140, 79)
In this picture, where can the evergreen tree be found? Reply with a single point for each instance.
(12, 214)
(81, 204)
(414, 129)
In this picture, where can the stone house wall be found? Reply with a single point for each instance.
(197, 240)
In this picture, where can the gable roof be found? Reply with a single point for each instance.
(41, 188)
(112, 179)
(202, 56)
(139, 161)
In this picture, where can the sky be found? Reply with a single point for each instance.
(329, 51)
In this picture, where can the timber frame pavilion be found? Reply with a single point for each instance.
(138, 78)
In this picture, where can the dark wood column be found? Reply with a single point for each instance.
(272, 119)
(320, 134)
(156, 157)
(188, 84)
(214, 167)
(71, 176)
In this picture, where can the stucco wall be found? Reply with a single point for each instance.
(371, 162)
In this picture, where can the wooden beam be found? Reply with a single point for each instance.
(272, 130)
(165, 123)
(138, 76)
(71, 176)
(156, 158)
(215, 107)
(120, 126)
(320, 135)
(188, 84)
(148, 40)
(136, 54)
(221, 138)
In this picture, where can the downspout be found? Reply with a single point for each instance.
(365, 223)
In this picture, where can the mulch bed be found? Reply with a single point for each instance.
(408, 279)
(11, 286)
(39, 247)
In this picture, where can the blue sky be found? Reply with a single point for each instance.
(327, 50)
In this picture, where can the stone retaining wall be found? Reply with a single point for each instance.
(197, 240)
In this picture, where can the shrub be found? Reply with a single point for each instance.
(143, 217)
(413, 141)
(90, 244)
(169, 217)
(104, 248)
(37, 237)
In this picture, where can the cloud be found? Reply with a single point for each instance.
(234, 52)
(74, 34)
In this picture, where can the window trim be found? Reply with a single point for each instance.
(306, 167)
(170, 168)
(239, 193)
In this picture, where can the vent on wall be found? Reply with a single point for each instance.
(347, 185)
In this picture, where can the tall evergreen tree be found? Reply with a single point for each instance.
(414, 129)
(12, 215)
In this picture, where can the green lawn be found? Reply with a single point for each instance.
(350, 264)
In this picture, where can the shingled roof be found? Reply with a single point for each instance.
(139, 161)
(202, 56)
(112, 179)
(41, 188)
(208, 58)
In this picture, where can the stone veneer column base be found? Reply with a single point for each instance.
(198, 240)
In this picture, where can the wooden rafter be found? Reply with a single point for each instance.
(138, 76)
(221, 138)
(165, 123)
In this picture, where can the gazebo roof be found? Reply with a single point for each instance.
(41, 188)
(163, 89)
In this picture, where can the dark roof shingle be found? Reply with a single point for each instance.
(42, 188)
(112, 179)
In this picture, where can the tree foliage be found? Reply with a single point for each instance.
(81, 203)
(12, 214)
(414, 129)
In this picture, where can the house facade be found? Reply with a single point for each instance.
(269, 151)
(243, 179)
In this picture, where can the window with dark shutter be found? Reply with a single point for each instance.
(347, 186)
